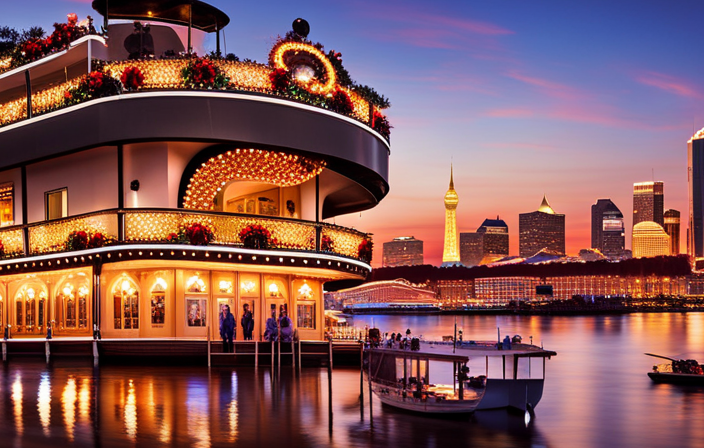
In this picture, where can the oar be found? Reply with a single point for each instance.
(658, 356)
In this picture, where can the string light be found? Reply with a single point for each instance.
(165, 74)
(277, 168)
(51, 237)
(311, 85)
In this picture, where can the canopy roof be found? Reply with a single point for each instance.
(203, 16)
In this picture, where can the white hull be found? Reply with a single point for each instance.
(427, 404)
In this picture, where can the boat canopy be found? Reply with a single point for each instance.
(199, 15)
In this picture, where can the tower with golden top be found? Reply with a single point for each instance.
(451, 252)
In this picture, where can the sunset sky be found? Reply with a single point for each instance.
(574, 100)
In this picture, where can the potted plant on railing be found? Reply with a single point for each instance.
(198, 235)
(364, 251)
(256, 236)
(201, 73)
(326, 243)
(132, 78)
(77, 240)
(82, 240)
(96, 84)
(2, 250)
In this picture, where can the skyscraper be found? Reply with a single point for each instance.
(451, 252)
(608, 230)
(488, 244)
(695, 177)
(648, 202)
(402, 251)
(650, 240)
(541, 229)
(672, 228)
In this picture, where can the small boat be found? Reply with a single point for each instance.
(677, 371)
(433, 377)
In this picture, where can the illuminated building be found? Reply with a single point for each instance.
(402, 251)
(451, 252)
(541, 229)
(650, 240)
(608, 230)
(695, 178)
(385, 295)
(672, 228)
(140, 213)
(488, 244)
(648, 202)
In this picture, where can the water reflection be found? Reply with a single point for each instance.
(596, 394)
(17, 404)
(68, 400)
(130, 412)
(44, 403)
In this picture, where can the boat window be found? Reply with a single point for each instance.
(158, 302)
(126, 304)
(196, 308)
(7, 204)
(56, 204)
(306, 315)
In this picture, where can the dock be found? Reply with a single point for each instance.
(185, 351)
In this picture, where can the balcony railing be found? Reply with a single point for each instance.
(139, 226)
(165, 75)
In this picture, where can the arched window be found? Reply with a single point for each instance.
(159, 302)
(73, 297)
(30, 307)
(196, 301)
(125, 304)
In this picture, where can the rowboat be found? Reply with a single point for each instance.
(434, 377)
(677, 371)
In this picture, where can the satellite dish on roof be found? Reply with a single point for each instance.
(301, 27)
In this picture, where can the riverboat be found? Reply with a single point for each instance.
(143, 188)
(434, 377)
(677, 371)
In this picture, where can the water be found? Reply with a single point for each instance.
(597, 394)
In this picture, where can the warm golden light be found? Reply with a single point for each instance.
(225, 287)
(68, 400)
(44, 403)
(273, 290)
(159, 284)
(248, 286)
(195, 284)
(305, 291)
(280, 50)
(276, 168)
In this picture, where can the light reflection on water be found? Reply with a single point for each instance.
(596, 394)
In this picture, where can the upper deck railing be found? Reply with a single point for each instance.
(131, 76)
(149, 226)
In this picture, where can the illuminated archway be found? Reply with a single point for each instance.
(270, 167)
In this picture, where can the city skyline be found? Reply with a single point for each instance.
(523, 100)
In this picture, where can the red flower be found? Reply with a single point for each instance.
(132, 78)
(341, 103)
(72, 18)
(381, 124)
(198, 234)
(280, 79)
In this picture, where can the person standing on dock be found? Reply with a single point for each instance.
(247, 322)
(227, 330)
(272, 329)
(285, 326)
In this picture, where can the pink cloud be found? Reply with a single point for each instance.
(550, 88)
(510, 113)
(520, 145)
(668, 83)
